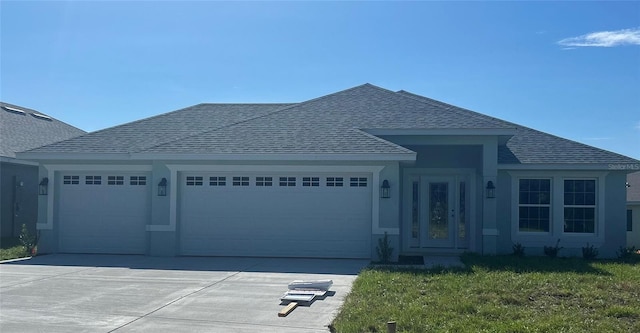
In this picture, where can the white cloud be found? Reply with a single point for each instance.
(605, 38)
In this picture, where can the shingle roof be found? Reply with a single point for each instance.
(142, 134)
(633, 191)
(529, 146)
(330, 124)
(22, 129)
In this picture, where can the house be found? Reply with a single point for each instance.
(633, 210)
(23, 129)
(328, 177)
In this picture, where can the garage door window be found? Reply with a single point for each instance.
(93, 180)
(71, 180)
(264, 181)
(311, 181)
(138, 180)
(115, 180)
(287, 181)
(335, 181)
(358, 182)
(194, 181)
(217, 181)
(240, 181)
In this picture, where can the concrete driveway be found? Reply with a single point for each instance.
(116, 293)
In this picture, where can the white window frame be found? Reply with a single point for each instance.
(567, 239)
(550, 206)
(594, 206)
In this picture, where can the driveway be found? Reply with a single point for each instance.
(117, 293)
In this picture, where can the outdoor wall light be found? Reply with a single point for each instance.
(43, 187)
(162, 187)
(385, 190)
(491, 190)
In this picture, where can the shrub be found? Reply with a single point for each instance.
(552, 251)
(518, 250)
(626, 252)
(384, 249)
(589, 252)
(28, 241)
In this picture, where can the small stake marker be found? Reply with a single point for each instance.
(391, 327)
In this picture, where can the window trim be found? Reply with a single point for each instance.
(550, 206)
(594, 206)
(568, 240)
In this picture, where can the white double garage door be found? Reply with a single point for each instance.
(222, 214)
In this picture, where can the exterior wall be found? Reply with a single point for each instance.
(18, 198)
(611, 214)
(447, 155)
(633, 237)
(163, 231)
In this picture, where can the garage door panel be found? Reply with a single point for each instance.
(103, 218)
(272, 220)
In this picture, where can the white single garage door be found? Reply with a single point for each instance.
(103, 212)
(279, 215)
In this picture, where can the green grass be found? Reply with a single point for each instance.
(10, 248)
(498, 294)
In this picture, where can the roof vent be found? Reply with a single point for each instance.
(14, 110)
(41, 116)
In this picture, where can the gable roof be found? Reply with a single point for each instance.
(633, 191)
(333, 124)
(529, 146)
(23, 129)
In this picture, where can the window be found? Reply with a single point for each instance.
(194, 181)
(311, 181)
(138, 180)
(335, 181)
(264, 181)
(629, 220)
(580, 205)
(93, 180)
(240, 181)
(217, 181)
(287, 181)
(71, 180)
(358, 182)
(115, 180)
(534, 205)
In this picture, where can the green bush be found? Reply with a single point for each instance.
(589, 252)
(384, 249)
(552, 251)
(518, 250)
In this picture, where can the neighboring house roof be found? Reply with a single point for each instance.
(23, 129)
(332, 124)
(633, 191)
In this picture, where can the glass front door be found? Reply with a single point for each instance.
(439, 212)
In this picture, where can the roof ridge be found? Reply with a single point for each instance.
(289, 105)
(388, 143)
(518, 126)
(452, 107)
(260, 116)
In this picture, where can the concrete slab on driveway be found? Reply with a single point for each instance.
(117, 293)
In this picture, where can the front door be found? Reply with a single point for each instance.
(439, 212)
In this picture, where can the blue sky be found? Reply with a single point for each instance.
(567, 68)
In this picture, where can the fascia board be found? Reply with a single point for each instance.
(73, 156)
(572, 166)
(278, 157)
(442, 131)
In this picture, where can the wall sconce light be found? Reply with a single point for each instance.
(385, 190)
(43, 187)
(162, 187)
(491, 190)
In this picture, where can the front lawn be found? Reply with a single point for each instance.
(10, 248)
(498, 294)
